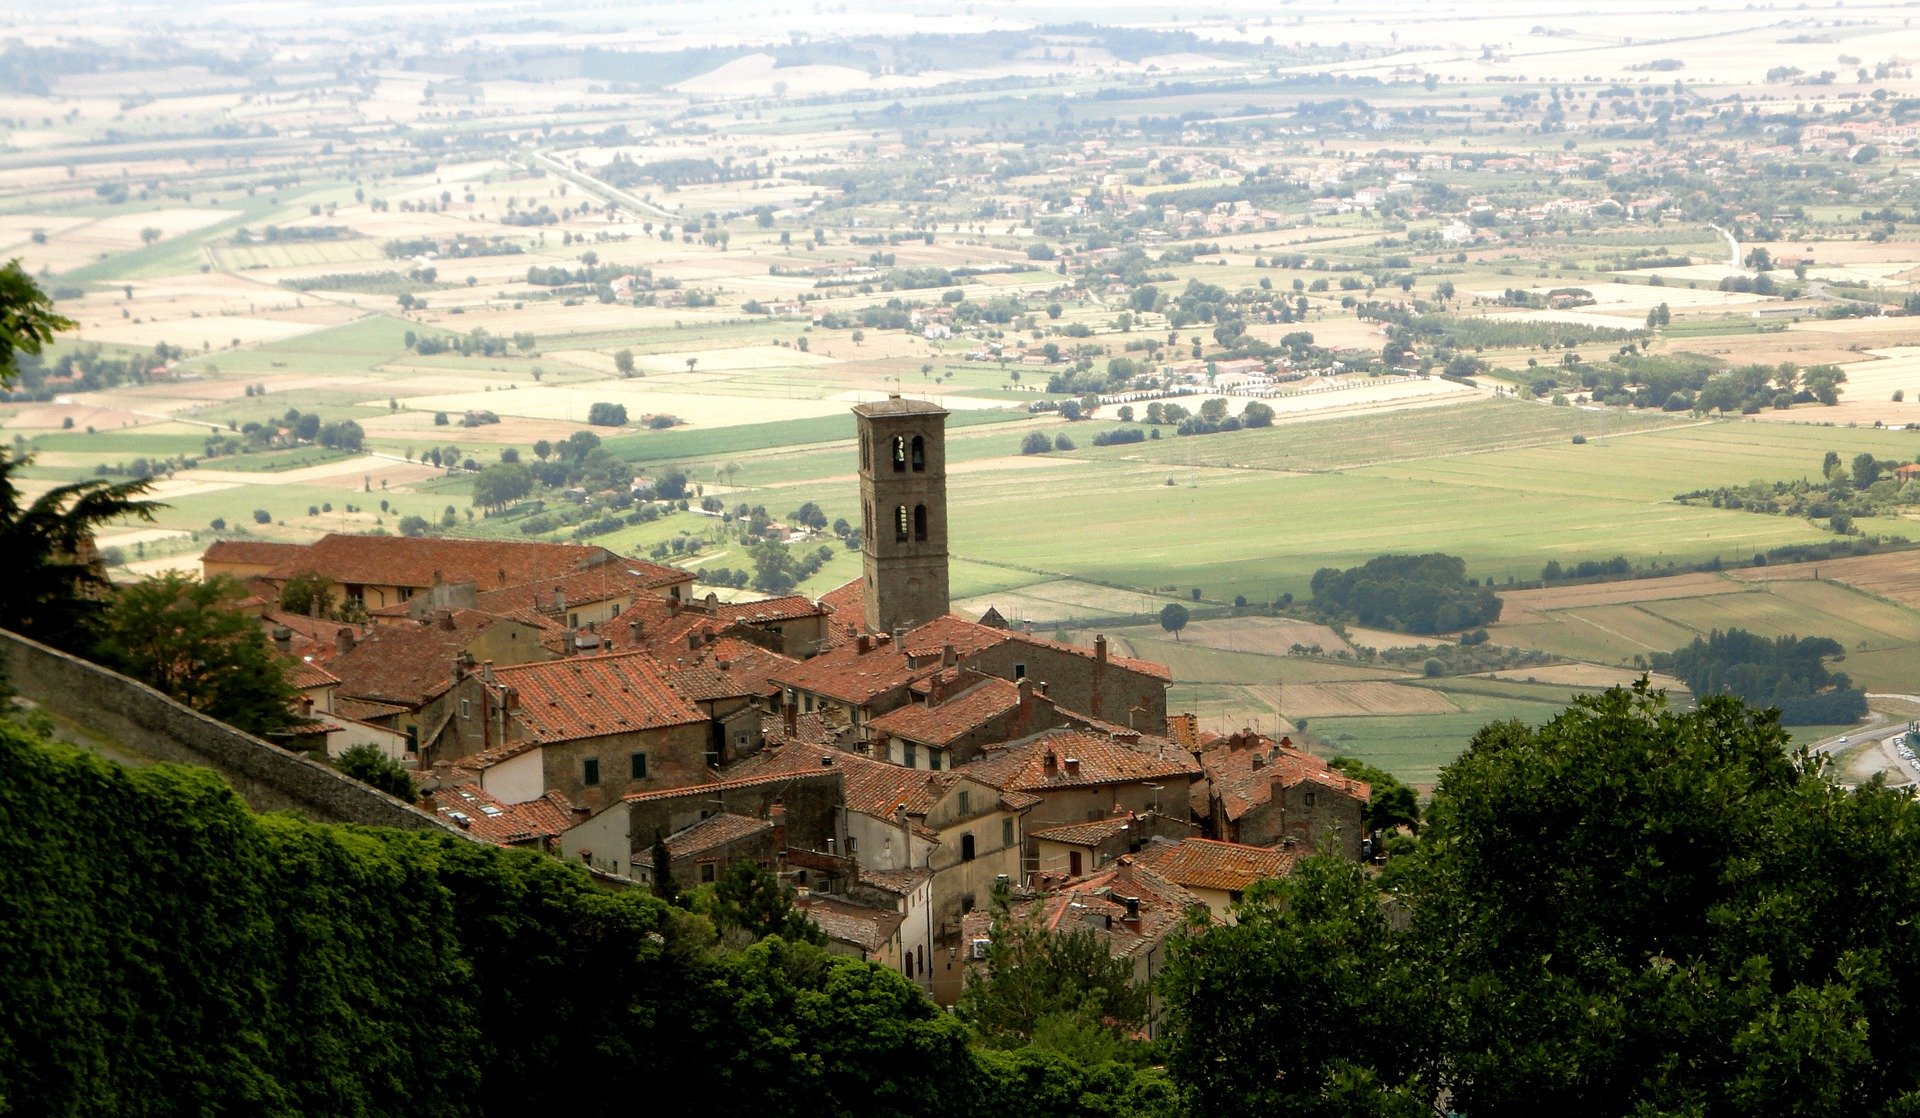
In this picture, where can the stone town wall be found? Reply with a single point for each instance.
(268, 777)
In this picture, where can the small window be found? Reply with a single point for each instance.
(919, 454)
(573, 621)
(590, 772)
(1309, 799)
(900, 524)
(965, 804)
(639, 761)
(616, 609)
(899, 454)
(966, 847)
(909, 754)
(466, 708)
(920, 523)
(708, 871)
(933, 760)
(1006, 832)
(413, 739)
(1019, 672)
(866, 456)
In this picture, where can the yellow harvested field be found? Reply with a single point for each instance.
(744, 358)
(1638, 298)
(1383, 639)
(572, 402)
(1894, 575)
(1588, 675)
(1867, 396)
(1263, 635)
(1618, 593)
(1346, 700)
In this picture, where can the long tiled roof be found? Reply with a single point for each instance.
(938, 724)
(870, 928)
(1243, 778)
(422, 561)
(478, 812)
(714, 831)
(728, 785)
(727, 668)
(595, 696)
(250, 553)
(411, 662)
(1101, 758)
(1086, 834)
(873, 787)
(790, 608)
(852, 676)
(1198, 863)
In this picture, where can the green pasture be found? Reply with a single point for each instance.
(1416, 747)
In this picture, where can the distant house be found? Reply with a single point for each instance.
(1266, 793)
(1217, 872)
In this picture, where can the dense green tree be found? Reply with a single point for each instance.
(309, 593)
(1040, 980)
(501, 484)
(1173, 618)
(750, 900)
(187, 638)
(366, 764)
(1390, 804)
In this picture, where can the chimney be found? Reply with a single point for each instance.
(1023, 690)
(634, 629)
(282, 640)
(343, 640)
(790, 717)
(559, 600)
(1040, 688)
(673, 605)
(1259, 760)
(444, 619)
(486, 670)
(1100, 648)
(1133, 913)
(948, 657)
(1073, 766)
(1053, 763)
(863, 644)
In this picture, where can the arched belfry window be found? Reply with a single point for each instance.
(899, 454)
(900, 524)
(919, 454)
(920, 523)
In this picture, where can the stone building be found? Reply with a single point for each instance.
(903, 512)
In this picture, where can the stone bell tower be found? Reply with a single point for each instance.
(903, 512)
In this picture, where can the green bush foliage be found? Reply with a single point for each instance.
(1407, 593)
(169, 952)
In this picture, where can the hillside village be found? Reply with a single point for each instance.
(889, 759)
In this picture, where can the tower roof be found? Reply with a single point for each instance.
(897, 405)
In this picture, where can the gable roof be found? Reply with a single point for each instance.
(851, 676)
(1244, 769)
(953, 717)
(1100, 758)
(411, 663)
(874, 787)
(594, 696)
(423, 561)
(869, 929)
(479, 813)
(846, 608)
(1086, 834)
(249, 553)
(714, 831)
(790, 608)
(1198, 863)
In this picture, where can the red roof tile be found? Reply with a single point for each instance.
(250, 553)
(411, 662)
(714, 831)
(791, 608)
(952, 717)
(1099, 758)
(594, 696)
(1243, 777)
(871, 929)
(847, 612)
(1198, 863)
(475, 810)
(420, 562)
(1087, 834)
(850, 676)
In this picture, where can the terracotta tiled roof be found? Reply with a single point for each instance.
(1198, 863)
(900, 883)
(304, 674)
(847, 612)
(1243, 776)
(873, 787)
(420, 562)
(1098, 903)
(250, 553)
(790, 608)
(714, 831)
(850, 676)
(594, 696)
(727, 668)
(1144, 667)
(813, 729)
(603, 582)
(954, 716)
(750, 781)
(410, 663)
(868, 928)
(1099, 758)
(1086, 834)
(364, 710)
(966, 637)
(476, 811)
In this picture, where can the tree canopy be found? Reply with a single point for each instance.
(1407, 593)
(1629, 910)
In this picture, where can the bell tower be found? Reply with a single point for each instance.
(903, 512)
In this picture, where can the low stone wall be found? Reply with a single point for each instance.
(126, 710)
